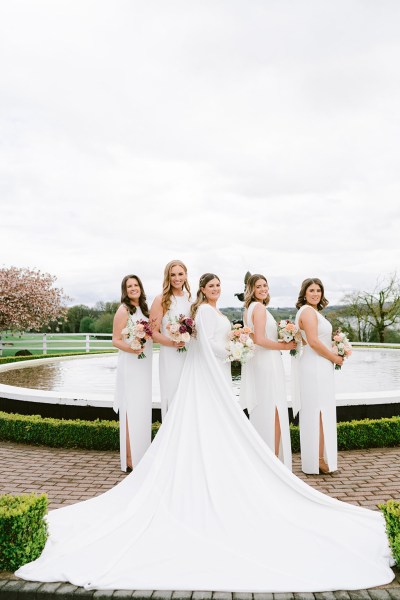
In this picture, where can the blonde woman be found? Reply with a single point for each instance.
(133, 389)
(263, 390)
(174, 301)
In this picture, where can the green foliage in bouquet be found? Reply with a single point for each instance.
(391, 511)
(23, 530)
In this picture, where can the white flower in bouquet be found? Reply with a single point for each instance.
(288, 332)
(181, 330)
(240, 346)
(341, 346)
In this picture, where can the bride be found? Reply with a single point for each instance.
(209, 506)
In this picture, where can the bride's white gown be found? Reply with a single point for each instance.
(210, 507)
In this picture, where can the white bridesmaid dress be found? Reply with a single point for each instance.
(314, 380)
(210, 507)
(171, 361)
(263, 390)
(133, 399)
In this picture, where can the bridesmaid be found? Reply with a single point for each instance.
(133, 389)
(174, 301)
(314, 385)
(263, 390)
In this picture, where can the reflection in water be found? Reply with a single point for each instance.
(43, 378)
(364, 371)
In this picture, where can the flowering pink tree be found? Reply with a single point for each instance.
(28, 299)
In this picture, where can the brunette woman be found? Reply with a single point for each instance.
(133, 389)
(313, 386)
(263, 390)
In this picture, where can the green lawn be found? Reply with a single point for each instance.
(55, 343)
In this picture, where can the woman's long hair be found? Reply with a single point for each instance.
(142, 299)
(301, 300)
(167, 287)
(200, 297)
(249, 294)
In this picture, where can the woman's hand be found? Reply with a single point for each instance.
(289, 345)
(178, 344)
(338, 360)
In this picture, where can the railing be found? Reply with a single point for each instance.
(45, 343)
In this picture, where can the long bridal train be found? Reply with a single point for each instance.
(209, 507)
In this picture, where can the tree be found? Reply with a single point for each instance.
(86, 325)
(29, 300)
(373, 313)
(104, 324)
(383, 305)
(76, 314)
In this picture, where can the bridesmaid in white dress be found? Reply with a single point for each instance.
(174, 301)
(263, 390)
(133, 389)
(314, 386)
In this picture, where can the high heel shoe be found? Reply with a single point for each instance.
(323, 467)
(129, 469)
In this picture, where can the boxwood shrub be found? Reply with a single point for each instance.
(61, 433)
(23, 530)
(104, 435)
(358, 435)
(391, 511)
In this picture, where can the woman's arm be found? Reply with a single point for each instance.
(309, 323)
(156, 315)
(209, 318)
(259, 322)
(120, 321)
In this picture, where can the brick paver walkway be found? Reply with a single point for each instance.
(365, 477)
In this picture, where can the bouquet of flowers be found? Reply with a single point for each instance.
(240, 346)
(340, 345)
(136, 333)
(288, 332)
(181, 330)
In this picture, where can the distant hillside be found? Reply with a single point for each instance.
(234, 313)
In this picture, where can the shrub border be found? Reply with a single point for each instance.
(391, 512)
(104, 435)
(23, 529)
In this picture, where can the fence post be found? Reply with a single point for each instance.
(1, 346)
(44, 344)
(88, 342)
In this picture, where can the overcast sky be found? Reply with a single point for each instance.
(235, 135)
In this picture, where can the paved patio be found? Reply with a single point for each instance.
(365, 478)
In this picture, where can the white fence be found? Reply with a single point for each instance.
(43, 343)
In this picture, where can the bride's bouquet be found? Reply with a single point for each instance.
(136, 334)
(181, 330)
(240, 346)
(341, 345)
(288, 332)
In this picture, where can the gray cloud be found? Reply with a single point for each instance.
(233, 135)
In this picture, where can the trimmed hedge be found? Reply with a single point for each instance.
(358, 435)
(391, 511)
(23, 530)
(4, 360)
(104, 435)
(89, 435)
